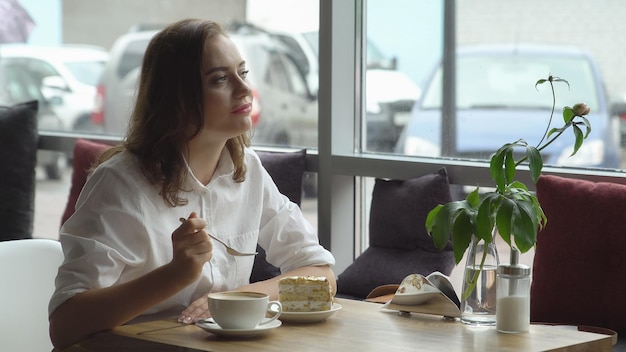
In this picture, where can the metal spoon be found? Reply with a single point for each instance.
(229, 250)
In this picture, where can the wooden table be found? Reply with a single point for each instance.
(358, 326)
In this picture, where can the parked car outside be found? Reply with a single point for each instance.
(497, 103)
(68, 75)
(18, 86)
(116, 88)
(618, 109)
(288, 109)
(389, 93)
(284, 112)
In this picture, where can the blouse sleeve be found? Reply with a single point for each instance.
(102, 239)
(289, 240)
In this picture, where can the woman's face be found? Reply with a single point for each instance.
(227, 97)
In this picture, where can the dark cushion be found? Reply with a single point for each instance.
(85, 154)
(580, 257)
(287, 171)
(18, 158)
(399, 243)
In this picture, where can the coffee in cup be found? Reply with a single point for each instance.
(242, 310)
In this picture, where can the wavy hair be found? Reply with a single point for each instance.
(170, 105)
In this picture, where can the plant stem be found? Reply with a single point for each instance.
(474, 279)
(551, 114)
(539, 148)
(547, 128)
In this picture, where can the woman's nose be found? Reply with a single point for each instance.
(244, 88)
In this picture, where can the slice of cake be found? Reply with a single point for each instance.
(305, 294)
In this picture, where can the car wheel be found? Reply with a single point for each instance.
(53, 171)
(282, 138)
(84, 124)
(309, 185)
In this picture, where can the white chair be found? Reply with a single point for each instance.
(28, 268)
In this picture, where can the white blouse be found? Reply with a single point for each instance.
(122, 229)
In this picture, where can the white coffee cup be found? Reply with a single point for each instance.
(242, 310)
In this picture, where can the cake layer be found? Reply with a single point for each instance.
(304, 294)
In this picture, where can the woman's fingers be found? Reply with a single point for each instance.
(196, 310)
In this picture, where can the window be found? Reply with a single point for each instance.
(378, 63)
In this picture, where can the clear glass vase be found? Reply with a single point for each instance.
(478, 296)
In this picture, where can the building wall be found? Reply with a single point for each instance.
(88, 22)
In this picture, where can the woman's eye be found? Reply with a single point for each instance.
(244, 73)
(221, 79)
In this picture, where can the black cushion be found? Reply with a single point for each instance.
(287, 171)
(18, 156)
(399, 243)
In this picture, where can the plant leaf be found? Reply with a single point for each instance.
(509, 166)
(473, 198)
(441, 219)
(525, 225)
(462, 235)
(579, 138)
(541, 81)
(438, 225)
(568, 114)
(535, 162)
(504, 219)
(484, 218)
(587, 125)
(496, 167)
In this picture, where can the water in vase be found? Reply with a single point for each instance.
(480, 306)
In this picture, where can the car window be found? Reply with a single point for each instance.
(297, 82)
(502, 82)
(37, 68)
(313, 39)
(132, 57)
(276, 75)
(87, 72)
(375, 57)
(296, 50)
(20, 85)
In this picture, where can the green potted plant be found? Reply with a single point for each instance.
(511, 210)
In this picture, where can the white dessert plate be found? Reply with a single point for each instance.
(309, 317)
(211, 326)
(413, 298)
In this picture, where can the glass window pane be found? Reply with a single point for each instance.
(403, 40)
(501, 53)
(284, 73)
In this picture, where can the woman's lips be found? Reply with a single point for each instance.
(243, 109)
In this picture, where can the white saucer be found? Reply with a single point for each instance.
(414, 298)
(211, 326)
(309, 317)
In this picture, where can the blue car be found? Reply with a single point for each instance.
(497, 103)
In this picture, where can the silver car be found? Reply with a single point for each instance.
(284, 111)
(68, 75)
(17, 85)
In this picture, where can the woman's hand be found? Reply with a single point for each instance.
(196, 310)
(192, 248)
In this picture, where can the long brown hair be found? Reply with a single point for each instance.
(170, 105)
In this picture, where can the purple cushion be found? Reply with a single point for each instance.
(18, 155)
(399, 243)
(287, 171)
(580, 257)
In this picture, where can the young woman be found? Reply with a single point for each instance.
(186, 155)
